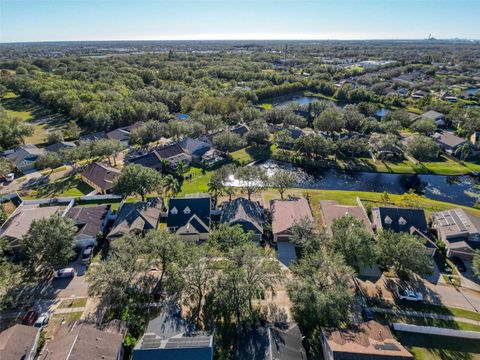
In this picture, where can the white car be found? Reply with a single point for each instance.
(42, 320)
(65, 273)
(410, 295)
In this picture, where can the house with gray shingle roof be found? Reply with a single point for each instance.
(189, 217)
(248, 214)
(25, 156)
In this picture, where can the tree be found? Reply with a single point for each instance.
(313, 145)
(71, 131)
(320, 290)
(12, 130)
(403, 253)
(282, 180)
(216, 186)
(55, 136)
(224, 173)
(6, 166)
(284, 139)
(401, 116)
(170, 185)
(476, 263)
(351, 239)
(226, 237)
(463, 151)
(424, 126)
(252, 178)
(11, 276)
(148, 132)
(422, 148)
(137, 179)
(107, 148)
(48, 159)
(49, 242)
(75, 154)
(228, 141)
(330, 120)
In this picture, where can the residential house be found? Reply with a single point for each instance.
(332, 210)
(285, 214)
(100, 176)
(448, 141)
(151, 160)
(18, 224)
(459, 230)
(212, 157)
(173, 154)
(410, 221)
(93, 137)
(81, 341)
(123, 134)
(208, 138)
(248, 214)
(189, 217)
(137, 217)
(170, 337)
(419, 94)
(60, 146)
(195, 148)
(90, 222)
(367, 341)
(241, 130)
(439, 118)
(448, 96)
(19, 342)
(267, 343)
(25, 156)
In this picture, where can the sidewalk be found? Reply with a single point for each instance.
(425, 315)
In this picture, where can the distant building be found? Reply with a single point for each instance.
(248, 214)
(195, 148)
(170, 337)
(459, 230)
(100, 176)
(439, 118)
(189, 217)
(448, 141)
(19, 342)
(367, 341)
(93, 136)
(151, 160)
(25, 156)
(173, 154)
(123, 134)
(59, 146)
(137, 217)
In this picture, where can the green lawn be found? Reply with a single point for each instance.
(431, 347)
(71, 186)
(73, 303)
(198, 183)
(250, 153)
(449, 324)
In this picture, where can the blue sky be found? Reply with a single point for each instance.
(51, 20)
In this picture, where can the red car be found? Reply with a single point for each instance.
(30, 318)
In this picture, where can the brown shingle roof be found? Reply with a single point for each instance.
(331, 210)
(89, 219)
(101, 175)
(83, 341)
(285, 213)
(368, 339)
(17, 342)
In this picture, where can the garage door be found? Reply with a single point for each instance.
(286, 252)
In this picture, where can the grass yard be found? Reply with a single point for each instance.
(431, 347)
(58, 319)
(250, 154)
(198, 183)
(71, 186)
(73, 303)
(449, 324)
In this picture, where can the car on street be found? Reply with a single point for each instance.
(367, 314)
(42, 320)
(65, 273)
(87, 255)
(410, 295)
(30, 318)
(459, 264)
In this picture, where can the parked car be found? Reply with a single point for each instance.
(410, 295)
(74, 257)
(87, 255)
(30, 318)
(65, 273)
(367, 314)
(459, 264)
(42, 320)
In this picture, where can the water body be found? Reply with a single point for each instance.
(472, 91)
(461, 190)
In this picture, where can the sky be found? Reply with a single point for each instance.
(62, 20)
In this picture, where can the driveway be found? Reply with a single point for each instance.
(66, 288)
(286, 253)
(469, 279)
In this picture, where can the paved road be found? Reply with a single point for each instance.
(31, 179)
(424, 315)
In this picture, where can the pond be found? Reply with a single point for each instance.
(461, 190)
(472, 91)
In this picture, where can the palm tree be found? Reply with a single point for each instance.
(463, 151)
(170, 185)
(181, 168)
(216, 187)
